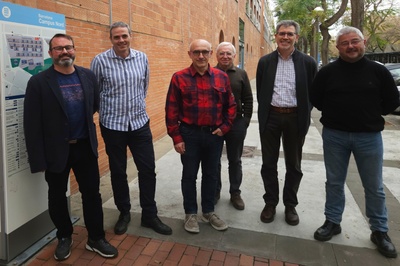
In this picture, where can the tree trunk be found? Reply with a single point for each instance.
(357, 14)
(326, 37)
(325, 26)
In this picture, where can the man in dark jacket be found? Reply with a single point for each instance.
(353, 93)
(234, 139)
(60, 135)
(283, 81)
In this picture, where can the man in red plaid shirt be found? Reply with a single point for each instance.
(200, 109)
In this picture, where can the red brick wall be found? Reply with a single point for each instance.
(163, 29)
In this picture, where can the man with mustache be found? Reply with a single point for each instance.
(353, 93)
(60, 135)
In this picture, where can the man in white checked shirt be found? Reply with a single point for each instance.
(123, 76)
(283, 81)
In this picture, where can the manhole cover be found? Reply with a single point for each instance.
(248, 151)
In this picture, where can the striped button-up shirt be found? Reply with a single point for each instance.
(123, 88)
(200, 100)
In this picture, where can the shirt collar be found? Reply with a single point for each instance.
(132, 53)
(232, 68)
(193, 71)
(293, 53)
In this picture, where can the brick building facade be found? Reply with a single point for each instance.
(163, 29)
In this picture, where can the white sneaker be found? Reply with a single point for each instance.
(191, 225)
(215, 221)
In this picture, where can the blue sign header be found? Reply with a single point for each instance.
(31, 16)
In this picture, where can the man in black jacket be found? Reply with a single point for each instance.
(353, 93)
(283, 80)
(234, 139)
(60, 135)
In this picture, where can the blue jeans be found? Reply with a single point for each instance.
(205, 148)
(140, 143)
(367, 149)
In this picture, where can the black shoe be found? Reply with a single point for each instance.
(158, 226)
(268, 213)
(63, 249)
(217, 197)
(327, 230)
(384, 244)
(291, 216)
(102, 247)
(122, 224)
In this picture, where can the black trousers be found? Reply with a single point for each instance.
(85, 167)
(281, 126)
(140, 143)
(234, 141)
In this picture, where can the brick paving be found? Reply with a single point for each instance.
(137, 250)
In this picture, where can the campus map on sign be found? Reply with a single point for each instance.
(24, 35)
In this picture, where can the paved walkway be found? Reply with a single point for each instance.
(248, 241)
(137, 250)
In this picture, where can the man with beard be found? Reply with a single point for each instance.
(60, 135)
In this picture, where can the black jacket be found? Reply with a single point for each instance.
(46, 123)
(305, 68)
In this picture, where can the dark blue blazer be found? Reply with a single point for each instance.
(46, 123)
(305, 68)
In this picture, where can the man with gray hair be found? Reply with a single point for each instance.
(123, 75)
(353, 93)
(283, 79)
(234, 139)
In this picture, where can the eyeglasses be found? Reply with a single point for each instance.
(228, 54)
(289, 34)
(203, 52)
(68, 48)
(352, 42)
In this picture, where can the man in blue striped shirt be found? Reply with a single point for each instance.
(123, 75)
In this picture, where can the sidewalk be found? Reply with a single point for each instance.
(248, 241)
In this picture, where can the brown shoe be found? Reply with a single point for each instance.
(237, 201)
(291, 216)
(267, 214)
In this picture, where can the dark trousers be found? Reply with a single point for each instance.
(205, 148)
(234, 141)
(85, 166)
(140, 143)
(281, 126)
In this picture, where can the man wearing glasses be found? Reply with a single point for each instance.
(283, 81)
(200, 109)
(60, 135)
(353, 93)
(234, 139)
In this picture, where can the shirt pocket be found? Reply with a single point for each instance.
(218, 94)
(189, 95)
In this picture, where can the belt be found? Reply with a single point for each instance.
(283, 110)
(200, 128)
(74, 141)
